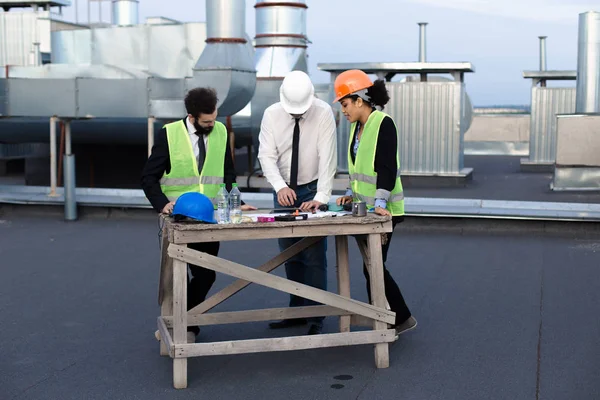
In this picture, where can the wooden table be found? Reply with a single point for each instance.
(174, 319)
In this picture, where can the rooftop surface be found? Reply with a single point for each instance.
(500, 178)
(501, 316)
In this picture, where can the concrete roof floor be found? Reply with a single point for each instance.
(501, 316)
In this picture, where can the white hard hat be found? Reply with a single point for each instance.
(296, 93)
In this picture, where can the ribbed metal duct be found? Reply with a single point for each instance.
(125, 12)
(226, 64)
(281, 39)
(588, 63)
(280, 47)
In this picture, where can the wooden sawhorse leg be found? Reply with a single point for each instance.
(179, 321)
(165, 288)
(382, 356)
(343, 275)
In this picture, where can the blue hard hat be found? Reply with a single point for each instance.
(196, 206)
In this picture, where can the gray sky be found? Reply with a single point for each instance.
(500, 37)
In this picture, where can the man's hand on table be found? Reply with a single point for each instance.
(286, 197)
(310, 205)
(247, 207)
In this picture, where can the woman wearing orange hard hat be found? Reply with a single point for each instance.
(374, 168)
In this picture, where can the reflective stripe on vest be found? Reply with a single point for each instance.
(204, 180)
(183, 176)
(363, 178)
(368, 179)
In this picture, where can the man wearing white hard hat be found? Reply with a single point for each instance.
(298, 156)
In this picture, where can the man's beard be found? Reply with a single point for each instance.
(201, 130)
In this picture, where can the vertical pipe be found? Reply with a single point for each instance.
(69, 168)
(543, 53)
(150, 134)
(588, 64)
(125, 12)
(76, 12)
(422, 42)
(68, 137)
(422, 47)
(53, 178)
(37, 56)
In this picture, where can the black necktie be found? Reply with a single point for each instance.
(201, 152)
(295, 144)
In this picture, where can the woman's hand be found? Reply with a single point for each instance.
(343, 200)
(382, 211)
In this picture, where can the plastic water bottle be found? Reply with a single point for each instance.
(223, 205)
(235, 206)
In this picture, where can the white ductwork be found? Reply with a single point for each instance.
(125, 12)
(226, 64)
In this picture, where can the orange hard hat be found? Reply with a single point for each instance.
(349, 82)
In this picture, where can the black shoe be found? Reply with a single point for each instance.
(287, 323)
(315, 330)
(409, 324)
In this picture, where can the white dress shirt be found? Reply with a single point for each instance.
(194, 138)
(317, 155)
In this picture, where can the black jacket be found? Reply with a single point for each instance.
(159, 163)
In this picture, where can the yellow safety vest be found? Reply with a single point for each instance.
(363, 178)
(183, 176)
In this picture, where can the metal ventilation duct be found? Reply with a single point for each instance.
(226, 64)
(125, 12)
(543, 53)
(422, 42)
(280, 47)
(588, 64)
(280, 40)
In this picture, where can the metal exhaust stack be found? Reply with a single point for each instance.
(226, 64)
(577, 165)
(588, 64)
(280, 45)
(125, 12)
(280, 40)
(543, 53)
(422, 42)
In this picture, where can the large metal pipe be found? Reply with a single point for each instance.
(125, 12)
(588, 63)
(151, 122)
(422, 42)
(280, 39)
(280, 44)
(226, 19)
(69, 176)
(226, 62)
(53, 177)
(542, 53)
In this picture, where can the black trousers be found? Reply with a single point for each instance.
(202, 279)
(392, 291)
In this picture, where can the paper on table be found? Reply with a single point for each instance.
(318, 214)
